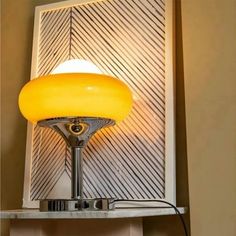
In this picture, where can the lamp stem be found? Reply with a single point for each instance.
(77, 173)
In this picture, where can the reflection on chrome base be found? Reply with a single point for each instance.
(76, 204)
(76, 131)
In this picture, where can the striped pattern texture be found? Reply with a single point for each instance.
(126, 39)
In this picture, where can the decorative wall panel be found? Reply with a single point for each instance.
(126, 39)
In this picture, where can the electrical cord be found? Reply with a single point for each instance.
(161, 201)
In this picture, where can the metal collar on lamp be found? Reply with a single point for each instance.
(76, 100)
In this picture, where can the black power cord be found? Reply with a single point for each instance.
(161, 201)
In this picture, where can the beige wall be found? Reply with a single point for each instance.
(206, 85)
(209, 39)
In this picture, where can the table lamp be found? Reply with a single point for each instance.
(75, 100)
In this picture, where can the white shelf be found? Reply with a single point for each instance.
(118, 213)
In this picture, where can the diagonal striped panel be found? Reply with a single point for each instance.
(101, 33)
(126, 39)
(54, 44)
(47, 162)
(48, 155)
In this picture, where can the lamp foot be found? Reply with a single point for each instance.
(76, 204)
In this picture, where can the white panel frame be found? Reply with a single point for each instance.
(170, 153)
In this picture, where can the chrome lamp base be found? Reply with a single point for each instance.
(76, 131)
(103, 204)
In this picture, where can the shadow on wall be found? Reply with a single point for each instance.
(161, 225)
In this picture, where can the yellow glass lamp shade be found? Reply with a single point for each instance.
(75, 95)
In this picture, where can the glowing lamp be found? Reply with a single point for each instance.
(75, 100)
(73, 91)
